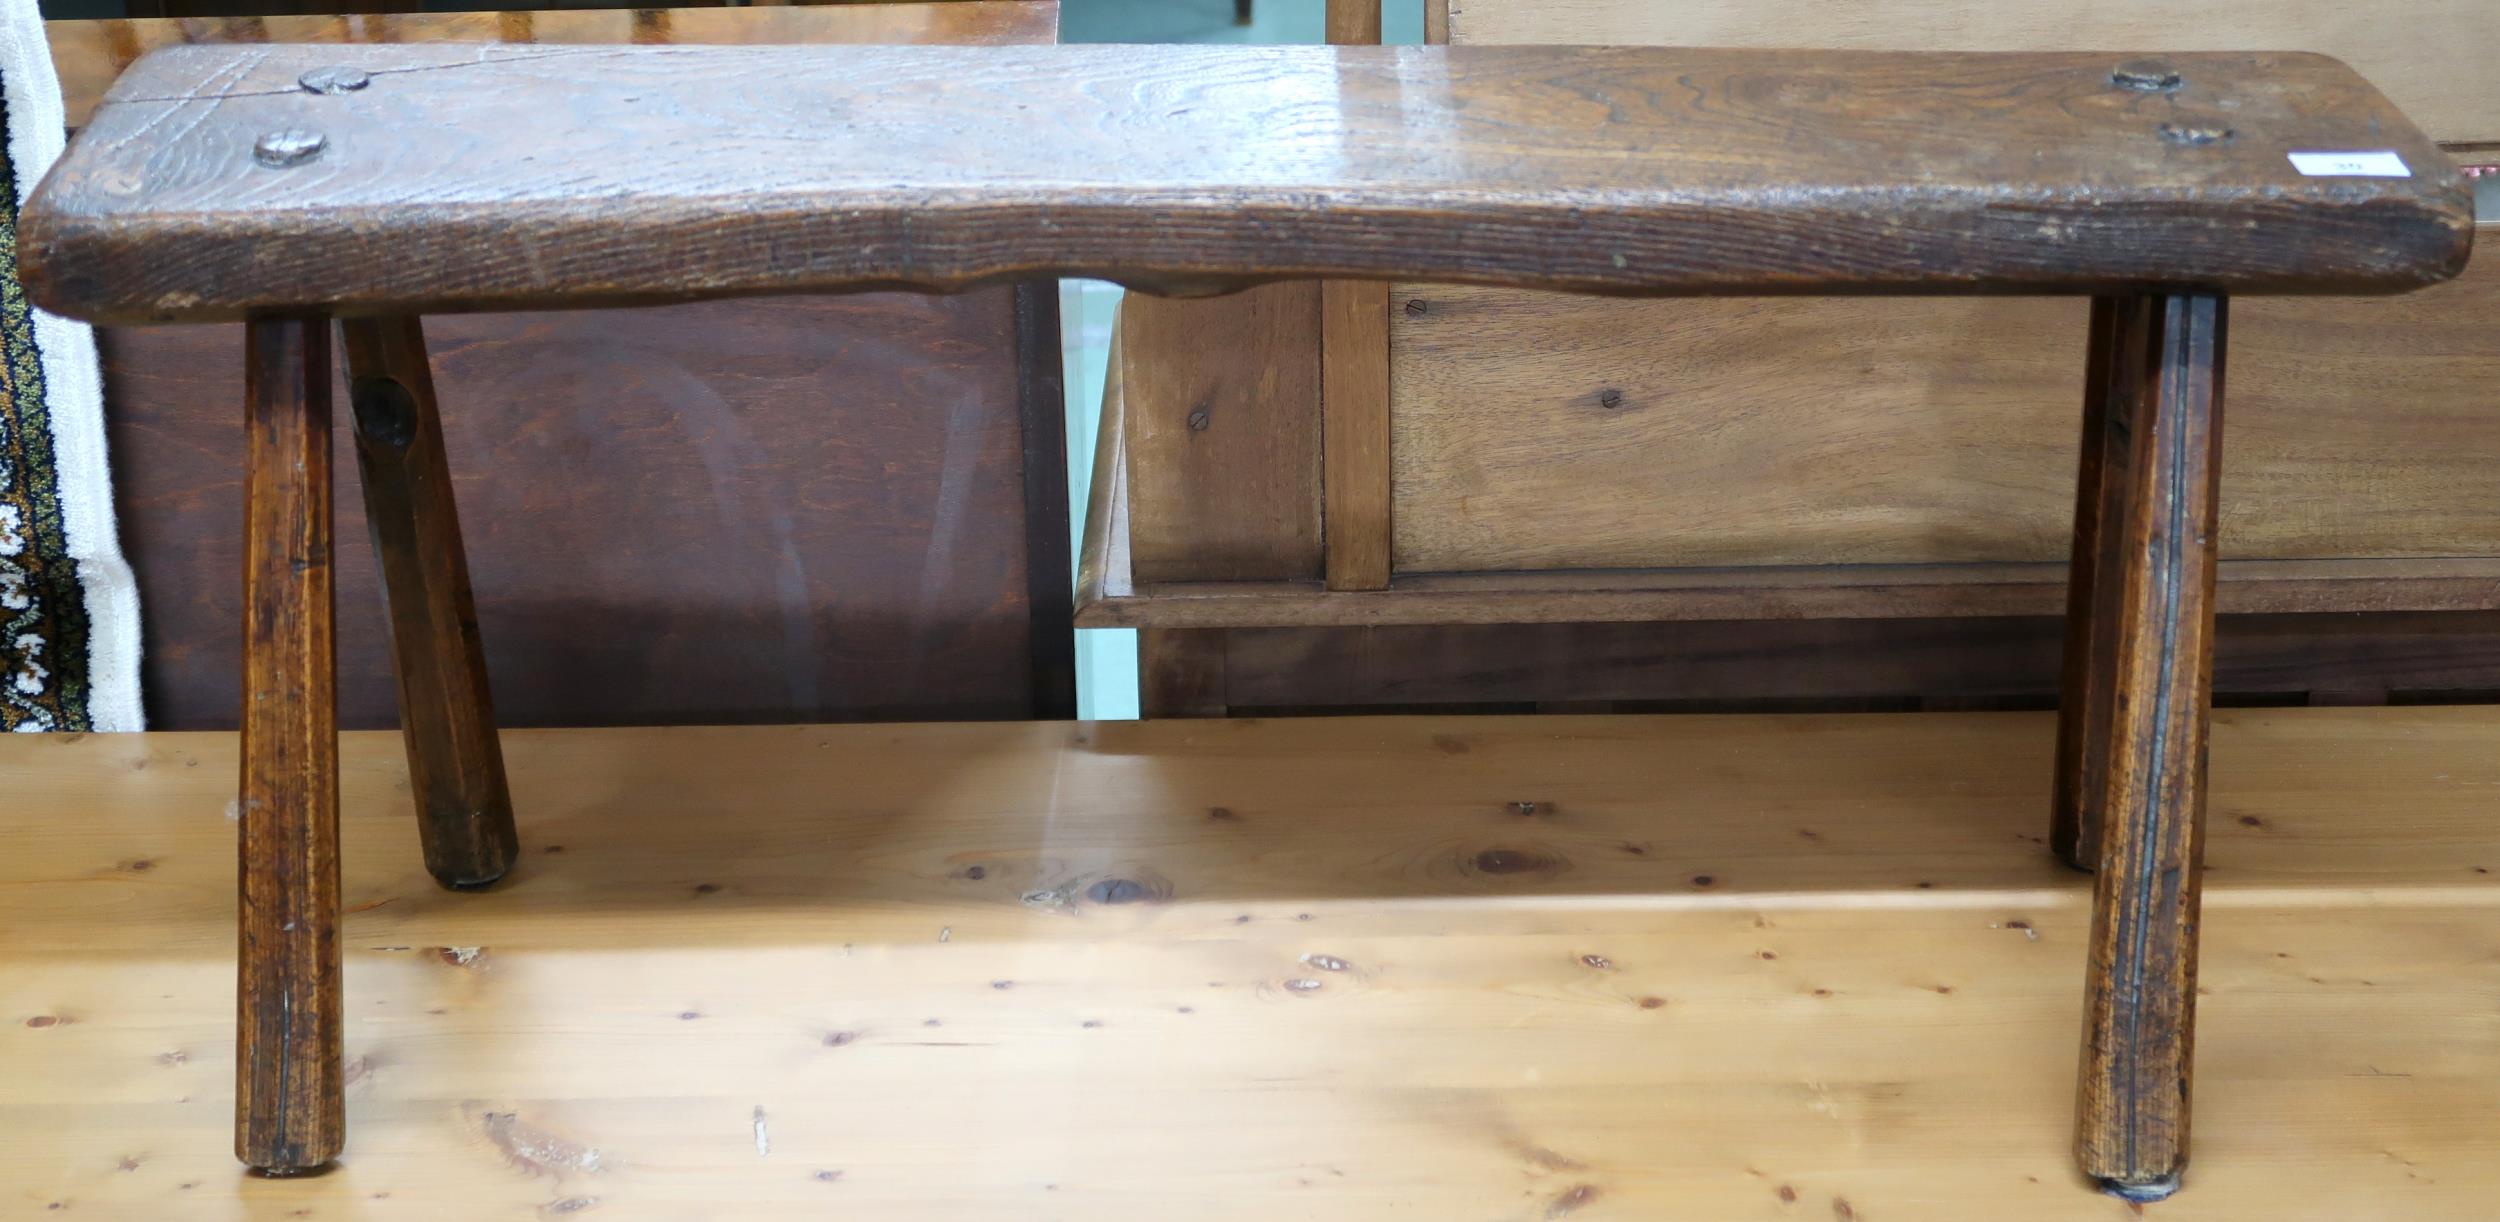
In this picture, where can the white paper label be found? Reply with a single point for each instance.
(2375, 163)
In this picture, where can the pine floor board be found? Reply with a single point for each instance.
(1440, 968)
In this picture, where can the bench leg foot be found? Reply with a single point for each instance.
(2140, 990)
(2144, 1193)
(289, 1073)
(2091, 580)
(446, 716)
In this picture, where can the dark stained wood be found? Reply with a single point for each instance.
(89, 54)
(289, 1090)
(803, 509)
(2085, 688)
(1181, 672)
(1354, 432)
(1766, 592)
(1205, 168)
(1049, 560)
(1223, 436)
(1833, 665)
(2140, 989)
(446, 711)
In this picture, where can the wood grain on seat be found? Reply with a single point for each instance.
(492, 177)
(90, 55)
(2432, 56)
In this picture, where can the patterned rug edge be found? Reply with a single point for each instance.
(69, 606)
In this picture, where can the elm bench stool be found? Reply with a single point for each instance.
(294, 186)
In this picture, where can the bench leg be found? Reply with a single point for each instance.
(2140, 989)
(2084, 691)
(289, 1088)
(446, 716)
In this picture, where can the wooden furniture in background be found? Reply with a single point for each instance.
(1899, 464)
(210, 187)
(841, 507)
(1754, 968)
(1354, 392)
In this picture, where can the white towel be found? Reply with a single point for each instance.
(64, 587)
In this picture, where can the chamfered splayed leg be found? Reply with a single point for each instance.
(2140, 990)
(289, 1072)
(2092, 584)
(446, 715)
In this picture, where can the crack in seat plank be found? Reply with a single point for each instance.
(482, 177)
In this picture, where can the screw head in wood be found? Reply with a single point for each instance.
(2146, 76)
(2194, 135)
(337, 78)
(290, 146)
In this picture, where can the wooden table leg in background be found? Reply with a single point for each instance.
(2084, 690)
(446, 714)
(289, 1088)
(2140, 989)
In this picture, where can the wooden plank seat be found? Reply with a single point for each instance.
(292, 185)
(468, 178)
